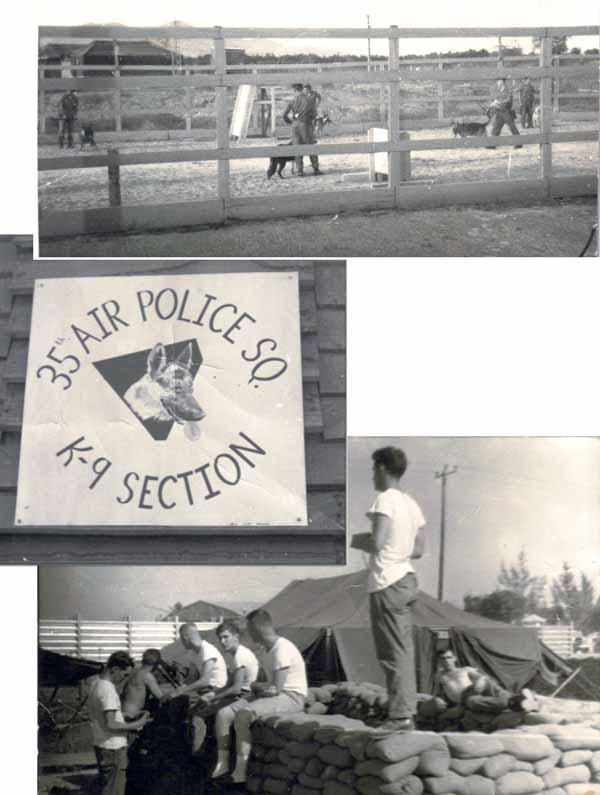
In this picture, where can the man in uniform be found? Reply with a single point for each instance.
(69, 105)
(502, 110)
(527, 102)
(300, 113)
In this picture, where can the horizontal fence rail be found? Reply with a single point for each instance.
(97, 640)
(389, 77)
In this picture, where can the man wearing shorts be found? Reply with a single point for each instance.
(284, 692)
(396, 538)
(242, 671)
(109, 729)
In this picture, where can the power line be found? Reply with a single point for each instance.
(443, 476)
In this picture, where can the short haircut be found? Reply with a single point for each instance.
(121, 660)
(151, 657)
(306, 85)
(229, 625)
(260, 618)
(392, 458)
(297, 86)
(187, 625)
(441, 652)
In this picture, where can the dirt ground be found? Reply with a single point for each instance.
(559, 229)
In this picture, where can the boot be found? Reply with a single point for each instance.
(241, 763)
(222, 766)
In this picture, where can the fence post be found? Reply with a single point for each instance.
(78, 635)
(41, 104)
(441, 95)
(395, 166)
(556, 84)
(273, 113)
(222, 119)
(117, 92)
(188, 103)
(129, 637)
(114, 178)
(546, 113)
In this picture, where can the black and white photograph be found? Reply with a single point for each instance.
(457, 649)
(438, 130)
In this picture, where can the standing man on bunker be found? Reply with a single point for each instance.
(396, 538)
(300, 113)
(526, 102)
(69, 106)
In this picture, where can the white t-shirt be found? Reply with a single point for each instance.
(284, 654)
(104, 697)
(193, 660)
(392, 562)
(246, 659)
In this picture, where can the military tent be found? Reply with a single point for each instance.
(328, 619)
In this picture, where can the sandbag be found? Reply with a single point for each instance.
(408, 786)
(312, 782)
(322, 694)
(497, 766)
(466, 767)
(278, 771)
(439, 785)
(368, 785)
(570, 758)
(435, 762)
(272, 755)
(271, 739)
(554, 791)
(314, 767)
(318, 708)
(337, 788)
(573, 738)
(298, 789)
(254, 784)
(346, 739)
(527, 747)
(276, 786)
(303, 750)
(469, 746)
(561, 776)
(329, 772)
(326, 735)
(478, 785)
(542, 766)
(388, 771)
(519, 783)
(594, 762)
(582, 789)
(297, 764)
(519, 764)
(398, 746)
(347, 777)
(334, 755)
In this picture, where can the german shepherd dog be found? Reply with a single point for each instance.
(165, 393)
(277, 164)
(321, 121)
(86, 136)
(466, 128)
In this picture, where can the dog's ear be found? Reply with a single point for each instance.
(157, 360)
(185, 357)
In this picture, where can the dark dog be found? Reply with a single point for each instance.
(277, 164)
(86, 136)
(466, 128)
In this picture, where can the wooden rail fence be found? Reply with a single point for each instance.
(97, 640)
(397, 192)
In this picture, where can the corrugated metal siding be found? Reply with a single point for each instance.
(323, 329)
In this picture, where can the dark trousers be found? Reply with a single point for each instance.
(392, 627)
(494, 699)
(502, 117)
(66, 125)
(527, 116)
(303, 133)
(112, 769)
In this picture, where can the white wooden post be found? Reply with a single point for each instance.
(78, 635)
(114, 178)
(395, 166)
(441, 94)
(546, 113)
(129, 637)
(117, 92)
(41, 104)
(556, 84)
(188, 103)
(273, 113)
(222, 116)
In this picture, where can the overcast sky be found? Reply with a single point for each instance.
(537, 494)
(336, 13)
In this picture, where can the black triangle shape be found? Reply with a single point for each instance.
(121, 372)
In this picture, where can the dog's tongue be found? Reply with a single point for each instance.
(192, 431)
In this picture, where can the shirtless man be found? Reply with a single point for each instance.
(142, 685)
(468, 687)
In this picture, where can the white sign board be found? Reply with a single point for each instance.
(164, 400)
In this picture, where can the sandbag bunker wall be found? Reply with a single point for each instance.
(306, 754)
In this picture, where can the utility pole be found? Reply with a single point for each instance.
(368, 44)
(443, 476)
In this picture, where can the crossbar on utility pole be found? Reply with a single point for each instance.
(443, 476)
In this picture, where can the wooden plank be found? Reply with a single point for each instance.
(332, 330)
(126, 32)
(16, 362)
(313, 418)
(325, 464)
(330, 284)
(19, 322)
(212, 548)
(9, 461)
(332, 380)
(78, 759)
(5, 297)
(222, 115)
(308, 313)
(563, 187)
(333, 410)
(5, 340)
(11, 414)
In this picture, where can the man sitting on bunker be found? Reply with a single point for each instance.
(469, 688)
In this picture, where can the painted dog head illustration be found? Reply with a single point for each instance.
(165, 393)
